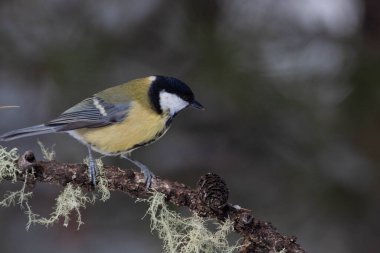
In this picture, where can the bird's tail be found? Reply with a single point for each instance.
(29, 131)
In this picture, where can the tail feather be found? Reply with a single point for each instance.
(29, 131)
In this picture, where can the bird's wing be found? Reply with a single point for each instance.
(90, 113)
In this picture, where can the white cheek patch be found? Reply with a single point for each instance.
(171, 102)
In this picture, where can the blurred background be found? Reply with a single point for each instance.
(292, 91)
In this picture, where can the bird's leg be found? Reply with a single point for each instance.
(91, 166)
(148, 175)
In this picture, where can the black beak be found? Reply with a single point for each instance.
(197, 105)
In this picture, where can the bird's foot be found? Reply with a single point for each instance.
(93, 171)
(148, 175)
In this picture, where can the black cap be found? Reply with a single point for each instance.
(171, 85)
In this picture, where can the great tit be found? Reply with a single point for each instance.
(120, 119)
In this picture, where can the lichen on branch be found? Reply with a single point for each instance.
(8, 169)
(47, 153)
(187, 234)
(208, 200)
(72, 199)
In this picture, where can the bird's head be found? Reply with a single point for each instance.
(170, 95)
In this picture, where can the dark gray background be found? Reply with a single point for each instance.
(292, 121)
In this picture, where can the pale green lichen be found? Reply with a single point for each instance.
(102, 185)
(47, 153)
(186, 234)
(70, 200)
(31, 215)
(20, 198)
(8, 167)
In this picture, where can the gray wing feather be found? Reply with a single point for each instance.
(87, 114)
(28, 131)
(83, 115)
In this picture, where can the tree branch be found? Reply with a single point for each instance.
(208, 200)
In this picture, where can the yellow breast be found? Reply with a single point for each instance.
(141, 126)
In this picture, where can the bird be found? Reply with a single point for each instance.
(120, 119)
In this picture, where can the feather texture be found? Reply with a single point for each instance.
(91, 112)
(28, 131)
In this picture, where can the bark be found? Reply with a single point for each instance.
(209, 199)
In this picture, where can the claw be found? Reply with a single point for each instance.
(148, 175)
